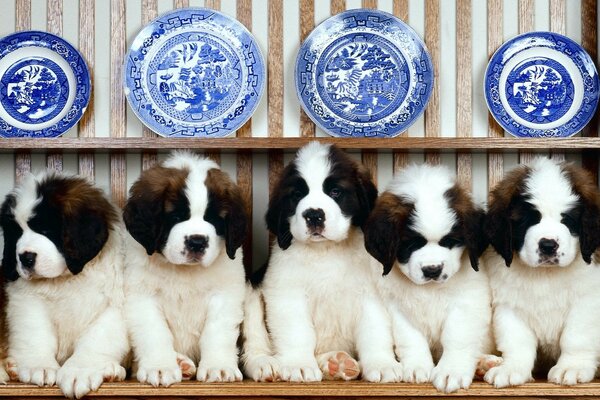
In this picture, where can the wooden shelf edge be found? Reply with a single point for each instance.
(322, 389)
(260, 143)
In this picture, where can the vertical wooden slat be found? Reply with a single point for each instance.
(149, 12)
(495, 39)
(244, 159)
(181, 3)
(558, 19)
(118, 41)
(464, 120)
(369, 158)
(432, 40)
(54, 24)
(22, 23)
(589, 41)
(400, 9)
(214, 4)
(337, 6)
(307, 23)
(526, 15)
(214, 155)
(87, 47)
(400, 158)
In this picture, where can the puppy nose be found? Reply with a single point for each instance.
(548, 247)
(196, 243)
(315, 217)
(432, 271)
(27, 259)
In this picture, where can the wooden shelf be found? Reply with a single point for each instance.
(356, 389)
(262, 144)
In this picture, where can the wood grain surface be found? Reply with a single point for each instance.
(87, 47)
(495, 39)
(22, 23)
(307, 24)
(149, 12)
(464, 108)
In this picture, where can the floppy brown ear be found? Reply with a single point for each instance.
(498, 223)
(382, 229)
(282, 205)
(367, 195)
(12, 231)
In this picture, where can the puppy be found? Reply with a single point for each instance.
(427, 233)
(321, 304)
(544, 223)
(185, 279)
(63, 266)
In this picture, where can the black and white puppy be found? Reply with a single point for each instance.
(63, 266)
(185, 281)
(427, 233)
(322, 307)
(544, 223)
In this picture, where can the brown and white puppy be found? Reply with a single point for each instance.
(544, 223)
(63, 266)
(185, 281)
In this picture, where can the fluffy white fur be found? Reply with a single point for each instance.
(449, 319)
(552, 308)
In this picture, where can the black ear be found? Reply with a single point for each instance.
(475, 240)
(282, 204)
(236, 225)
(84, 234)
(142, 216)
(367, 195)
(498, 229)
(12, 232)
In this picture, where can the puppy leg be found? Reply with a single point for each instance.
(97, 356)
(218, 350)
(375, 345)
(338, 365)
(518, 345)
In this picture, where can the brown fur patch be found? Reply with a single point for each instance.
(160, 183)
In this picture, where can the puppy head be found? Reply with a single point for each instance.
(547, 213)
(188, 210)
(53, 225)
(319, 196)
(425, 222)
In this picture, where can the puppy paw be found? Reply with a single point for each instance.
(507, 375)
(338, 365)
(159, 375)
(449, 378)
(40, 376)
(301, 372)
(208, 373)
(187, 366)
(485, 363)
(11, 369)
(382, 372)
(571, 374)
(262, 368)
(416, 372)
(76, 382)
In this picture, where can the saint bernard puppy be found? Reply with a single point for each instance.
(322, 308)
(63, 268)
(427, 233)
(185, 281)
(544, 223)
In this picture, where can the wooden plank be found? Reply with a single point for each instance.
(87, 47)
(214, 4)
(149, 12)
(589, 41)
(181, 3)
(214, 155)
(369, 158)
(22, 23)
(337, 6)
(400, 9)
(526, 18)
(275, 65)
(432, 40)
(495, 39)
(558, 18)
(307, 23)
(464, 120)
(369, 3)
(244, 15)
(54, 24)
(400, 158)
(118, 40)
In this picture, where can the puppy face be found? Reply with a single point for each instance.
(425, 222)
(546, 213)
(188, 210)
(320, 195)
(53, 225)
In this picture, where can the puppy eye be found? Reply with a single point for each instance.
(297, 194)
(334, 193)
(450, 242)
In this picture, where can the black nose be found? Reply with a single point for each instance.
(315, 217)
(432, 271)
(27, 259)
(548, 247)
(196, 243)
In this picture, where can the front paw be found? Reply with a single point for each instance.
(382, 372)
(571, 374)
(507, 375)
(338, 365)
(262, 368)
(416, 372)
(159, 375)
(308, 371)
(187, 366)
(40, 376)
(211, 373)
(75, 381)
(451, 377)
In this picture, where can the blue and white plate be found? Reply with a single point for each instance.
(363, 73)
(541, 84)
(194, 72)
(44, 85)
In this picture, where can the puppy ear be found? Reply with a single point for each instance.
(12, 232)
(235, 228)
(281, 207)
(367, 195)
(475, 239)
(382, 229)
(84, 234)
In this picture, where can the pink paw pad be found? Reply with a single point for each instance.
(486, 363)
(188, 369)
(341, 366)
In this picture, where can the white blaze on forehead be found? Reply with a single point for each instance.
(549, 189)
(197, 168)
(27, 200)
(425, 186)
(312, 163)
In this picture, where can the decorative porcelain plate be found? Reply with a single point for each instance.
(363, 73)
(194, 72)
(541, 84)
(44, 85)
